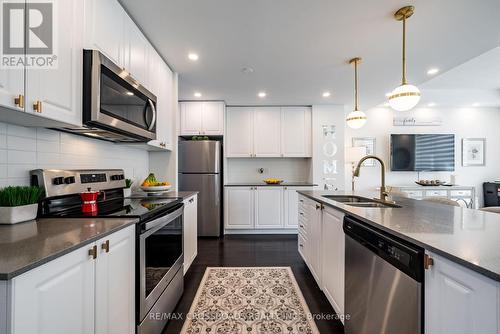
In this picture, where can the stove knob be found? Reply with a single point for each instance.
(58, 180)
(69, 180)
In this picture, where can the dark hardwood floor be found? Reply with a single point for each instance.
(255, 251)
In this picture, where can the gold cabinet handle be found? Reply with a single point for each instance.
(428, 262)
(93, 252)
(19, 101)
(37, 106)
(105, 246)
(318, 206)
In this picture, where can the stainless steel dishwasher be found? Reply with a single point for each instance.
(383, 282)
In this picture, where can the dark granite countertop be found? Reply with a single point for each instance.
(466, 236)
(263, 184)
(28, 245)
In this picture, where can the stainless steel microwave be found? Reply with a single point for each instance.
(115, 106)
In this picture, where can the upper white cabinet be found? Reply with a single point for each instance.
(136, 52)
(268, 207)
(239, 139)
(104, 29)
(190, 231)
(459, 300)
(57, 93)
(268, 132)
(78, 293)
(296, 132)
(202, 118)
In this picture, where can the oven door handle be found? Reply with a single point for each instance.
(157, 224)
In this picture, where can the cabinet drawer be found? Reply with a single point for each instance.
(436, 193)
(414, 193)
(303, 228)
(302, 246)
(461, 193)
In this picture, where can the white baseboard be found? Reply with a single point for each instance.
(261, 231)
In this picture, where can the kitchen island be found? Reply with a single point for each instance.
(462, 280)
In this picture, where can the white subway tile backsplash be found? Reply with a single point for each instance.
(23, 149)
(20, 131)
(21, 143)
(21, 157)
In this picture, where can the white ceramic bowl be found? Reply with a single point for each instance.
(155, 189)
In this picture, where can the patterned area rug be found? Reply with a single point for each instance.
(249, 300)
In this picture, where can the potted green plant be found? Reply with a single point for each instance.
(127, 191)
(19, 204)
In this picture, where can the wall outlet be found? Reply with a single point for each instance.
(263, 170)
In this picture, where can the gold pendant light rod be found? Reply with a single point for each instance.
(355, 61)
(402, 15)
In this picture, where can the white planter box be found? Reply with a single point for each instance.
(18, 214)
(127, 192)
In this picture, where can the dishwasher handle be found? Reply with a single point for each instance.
(404, 256)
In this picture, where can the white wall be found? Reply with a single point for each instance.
(288, 169)
(463, 122)
(328, 150)
(23, 149)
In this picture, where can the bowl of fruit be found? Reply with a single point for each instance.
(152, 185)
(273, 180)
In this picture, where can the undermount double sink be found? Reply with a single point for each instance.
(361, 202)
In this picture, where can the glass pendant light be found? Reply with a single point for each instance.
(356, 118)
(406, 96)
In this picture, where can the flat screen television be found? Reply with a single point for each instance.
(423, 152)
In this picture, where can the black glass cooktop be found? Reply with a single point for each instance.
(121, 207)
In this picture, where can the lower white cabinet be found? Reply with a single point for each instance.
(321, 244)
(190, 231)
(261, 208)
(268, 207)
(459, 300)
(78, 294)
(333, 251)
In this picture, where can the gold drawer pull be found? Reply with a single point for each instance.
(19, 101)
(105, 246)
(93, 252)
(428, 261)
(37, 106)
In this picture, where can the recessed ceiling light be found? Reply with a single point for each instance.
(197, 94)
(433, 71)
(129, 93)
(262, 94)
(477, 104)
(432, 104)
(247, 70)
(326, 94)
(193, 56)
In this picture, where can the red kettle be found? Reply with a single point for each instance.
(89, 200)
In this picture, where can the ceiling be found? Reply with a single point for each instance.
(299, 49)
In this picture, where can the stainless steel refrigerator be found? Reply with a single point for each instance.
(200, 169)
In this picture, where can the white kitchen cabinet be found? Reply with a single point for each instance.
(291, 206)
(267, 132)
(314, 235)
(296, 131)
(57, 297)
(332, 255)
(104, 29)
(190, 231)
(78, 294)
(268, 207)
(115, 283)
(136, 52)
(56, 93)
(239, 208)
(459, 300)
(239, 139)
(202, 118)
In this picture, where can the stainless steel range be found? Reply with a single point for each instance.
(159, 233)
